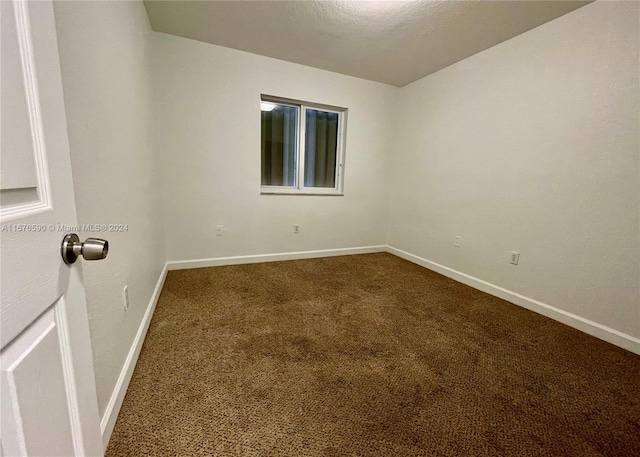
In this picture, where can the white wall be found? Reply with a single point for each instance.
(104, 52)
(531, 146)
(209, 123)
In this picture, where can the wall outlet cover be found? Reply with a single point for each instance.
(125, 293)
(514, 258)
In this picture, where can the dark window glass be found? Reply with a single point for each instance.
(279, 136)
(321, 145)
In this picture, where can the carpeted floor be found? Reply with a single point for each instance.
(368, 355)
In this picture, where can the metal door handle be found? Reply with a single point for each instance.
(91, 249)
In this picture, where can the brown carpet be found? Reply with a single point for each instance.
(368, 355)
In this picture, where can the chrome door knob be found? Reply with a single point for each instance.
(91, 249)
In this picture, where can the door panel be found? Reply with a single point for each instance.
(18, 165)
(48, 398)
(23, 176)
(34, 378)
(29, 235)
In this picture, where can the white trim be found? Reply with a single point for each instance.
(23, 31)
(592, 328)
(600, 331)
(259, 258)
(17, 415)
(115, 402)
(306, 191)
(296, 102)
(12, 356)
(60, 313)
(301, 138)
(301, 153)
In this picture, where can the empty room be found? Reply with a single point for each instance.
(320, 228)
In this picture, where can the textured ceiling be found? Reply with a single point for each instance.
(394, 42)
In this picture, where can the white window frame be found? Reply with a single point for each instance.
(300, 188)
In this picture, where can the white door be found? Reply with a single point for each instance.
(48, 400)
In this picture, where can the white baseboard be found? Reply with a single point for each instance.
(592, 328)
(115, 402)
(259, 258)
(600, 331)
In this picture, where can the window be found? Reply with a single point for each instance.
(302, 147)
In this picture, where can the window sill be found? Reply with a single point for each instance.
(280, 191)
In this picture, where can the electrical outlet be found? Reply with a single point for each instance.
(296, 229)
(219, 230)
(458, 242)
(514, 258)
(125, 293)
